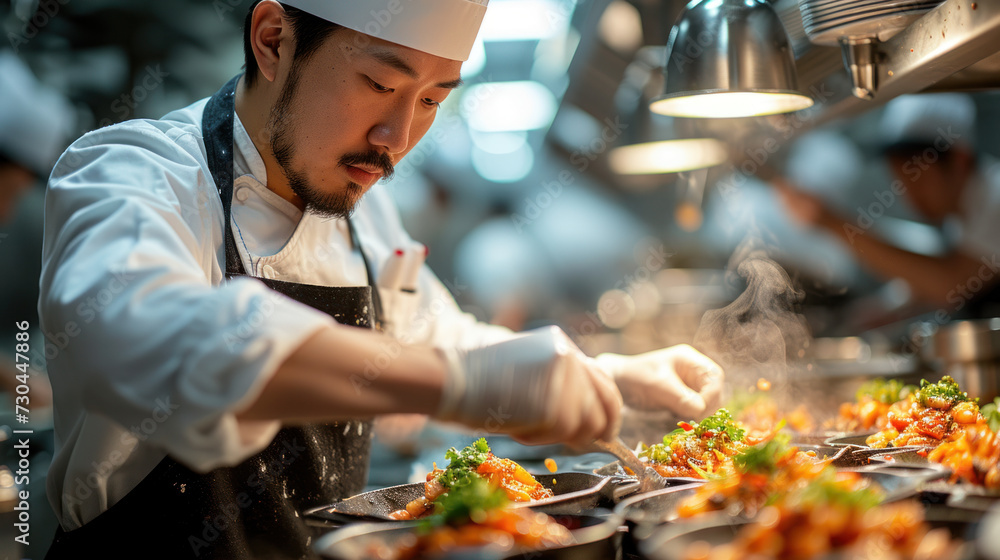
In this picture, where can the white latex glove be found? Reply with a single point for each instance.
(678, 378)
(538, 388)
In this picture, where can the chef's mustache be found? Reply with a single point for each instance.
(370, 159)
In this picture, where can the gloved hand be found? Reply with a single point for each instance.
(678, 378)
(538, 388)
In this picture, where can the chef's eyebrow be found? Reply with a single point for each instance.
(392, 60)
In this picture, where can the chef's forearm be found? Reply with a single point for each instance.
(933, 279)
(342, 372)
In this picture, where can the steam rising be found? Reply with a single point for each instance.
(759, 334)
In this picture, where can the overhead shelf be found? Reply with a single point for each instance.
(951, 48)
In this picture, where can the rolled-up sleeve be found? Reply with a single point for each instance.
(139, 322)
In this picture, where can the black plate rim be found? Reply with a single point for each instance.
(607, 528)
(329, 512)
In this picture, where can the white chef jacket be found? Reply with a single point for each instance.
(150, 351)
(979, 224)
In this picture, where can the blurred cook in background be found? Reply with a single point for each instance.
(35, 123)
(928, 144)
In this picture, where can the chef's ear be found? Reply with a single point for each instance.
(270, 37)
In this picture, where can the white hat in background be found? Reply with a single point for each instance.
(445, 28)
(35, 121)
(824, 161)
(924, 119)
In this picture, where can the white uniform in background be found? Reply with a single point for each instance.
(945, 121)
(155, 326)
(978, 225)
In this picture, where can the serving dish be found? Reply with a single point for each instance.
(670, 542)
(575, 492)
(840, 457)
(655, 508)
(595, 533)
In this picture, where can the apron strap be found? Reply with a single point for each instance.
(217, 123)
(376, 297)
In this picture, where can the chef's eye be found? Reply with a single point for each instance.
(430, 102)
(378, 87)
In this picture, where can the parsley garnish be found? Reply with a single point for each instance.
(763, 459)
(460, 504)
(720, 423)
(463, 464)
(946, 389)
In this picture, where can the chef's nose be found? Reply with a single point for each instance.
(392, 132)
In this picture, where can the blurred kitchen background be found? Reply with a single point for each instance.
(530, 217)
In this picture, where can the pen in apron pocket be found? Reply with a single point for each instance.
(391, 275)
(415, 257)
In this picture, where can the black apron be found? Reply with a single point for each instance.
(251, 510)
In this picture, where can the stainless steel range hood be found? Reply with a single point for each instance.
(955, 47)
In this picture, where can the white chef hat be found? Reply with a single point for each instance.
(824, 161)
(35, 121)
(445, 28)
(923, 119)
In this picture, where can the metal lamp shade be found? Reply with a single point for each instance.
(729, 58)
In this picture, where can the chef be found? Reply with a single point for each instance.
(927, 143)
(205, 276)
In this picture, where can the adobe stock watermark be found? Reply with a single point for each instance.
(759, 156)
(124, 106)
(84, 488)
(212, 528)
(692, 48)
(581, 158)
(87, 312)
(495, 421)
(655, 259)
(390, 348)
(46, 12)
(913, 169)
(472, 97)
(224, 7)
(248, 327)
(959, 296)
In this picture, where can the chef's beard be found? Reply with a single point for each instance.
(337, 204)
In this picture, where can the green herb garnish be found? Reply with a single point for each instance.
(461, 504)
(946, 389)
(719, 424)
(991, 412)
(463, 464)
(825, 490)
(885, 391)
(763, 459)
